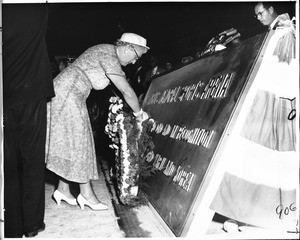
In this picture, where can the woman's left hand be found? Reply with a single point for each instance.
(141, 115)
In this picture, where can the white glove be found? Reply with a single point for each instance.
(141, 115)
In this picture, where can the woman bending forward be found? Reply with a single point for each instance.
(70, 149)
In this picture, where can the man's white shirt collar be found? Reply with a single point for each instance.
(273, 23)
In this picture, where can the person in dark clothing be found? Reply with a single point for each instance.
(154, 70)
(27, 85)
(137, 77)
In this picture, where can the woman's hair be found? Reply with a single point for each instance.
(121, 43)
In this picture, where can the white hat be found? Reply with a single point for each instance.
(134, 39)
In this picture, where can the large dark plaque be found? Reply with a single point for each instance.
(191, 107)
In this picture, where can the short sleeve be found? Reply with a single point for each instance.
(110, 62)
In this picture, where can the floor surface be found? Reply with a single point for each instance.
(119, 221)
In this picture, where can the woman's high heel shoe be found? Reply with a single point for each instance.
(96, 207)
(58, 196)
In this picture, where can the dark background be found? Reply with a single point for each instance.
(173, 29)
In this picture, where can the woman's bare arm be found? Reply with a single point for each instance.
(127, 91)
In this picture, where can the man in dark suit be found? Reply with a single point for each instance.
(27, 84)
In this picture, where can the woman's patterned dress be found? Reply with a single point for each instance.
(70, 150)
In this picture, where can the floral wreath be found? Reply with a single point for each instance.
(131, 142)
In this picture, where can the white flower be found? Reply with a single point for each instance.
(119, 117)
(114, 146)
(113, 99)
(114, 128)
(134, 190)
(115, 108)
